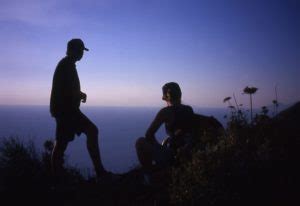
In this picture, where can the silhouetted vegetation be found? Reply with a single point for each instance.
(25, 174)
(248, 163)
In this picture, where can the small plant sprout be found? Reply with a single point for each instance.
(275, 101)
(237, 106)
(264, 110)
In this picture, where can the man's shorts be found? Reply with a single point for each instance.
(69, 125)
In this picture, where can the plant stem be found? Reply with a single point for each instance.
(251, 106)
(237, 106)
(276, 97)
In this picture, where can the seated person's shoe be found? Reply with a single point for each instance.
(147, 180)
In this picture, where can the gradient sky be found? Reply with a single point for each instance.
(211, 48)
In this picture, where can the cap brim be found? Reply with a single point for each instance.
(86, 49)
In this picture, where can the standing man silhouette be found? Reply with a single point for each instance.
(66, 97)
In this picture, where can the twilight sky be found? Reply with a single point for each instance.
(211, 48)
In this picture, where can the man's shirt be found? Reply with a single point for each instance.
(65, 93)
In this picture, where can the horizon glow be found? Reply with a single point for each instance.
(211, 48)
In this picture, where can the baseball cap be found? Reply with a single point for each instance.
(76, 44)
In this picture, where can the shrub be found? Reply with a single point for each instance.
(241, 167)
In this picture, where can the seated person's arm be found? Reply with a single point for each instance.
(155, 125)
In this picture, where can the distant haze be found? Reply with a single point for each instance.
(211, 48)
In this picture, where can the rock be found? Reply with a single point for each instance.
(207, 129)
(289, 119)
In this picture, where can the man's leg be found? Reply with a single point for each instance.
(92, 133)
(57, 157)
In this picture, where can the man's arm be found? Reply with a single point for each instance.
(83, 96)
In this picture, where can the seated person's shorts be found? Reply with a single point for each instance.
(164, 155)
(69, 125)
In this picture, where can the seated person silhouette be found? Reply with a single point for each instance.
(66, 97)
(178, 121)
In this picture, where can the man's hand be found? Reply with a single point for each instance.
(83, 97)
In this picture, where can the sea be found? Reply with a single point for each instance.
(119, 127)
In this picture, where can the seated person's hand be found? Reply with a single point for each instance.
(83, 97)
(178, 132)
(152, 141)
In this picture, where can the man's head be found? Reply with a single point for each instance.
(171, 92)
(75, 49)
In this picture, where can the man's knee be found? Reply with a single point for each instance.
(95, 130)
(140, 143)
(92, 131)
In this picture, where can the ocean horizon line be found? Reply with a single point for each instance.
(108, 106)
(283, 106)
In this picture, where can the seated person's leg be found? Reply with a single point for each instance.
(148, 153)
(144, 151)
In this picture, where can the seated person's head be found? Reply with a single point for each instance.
(171, 93)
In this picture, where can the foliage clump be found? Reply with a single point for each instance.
(246, 165)
(25, 173)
